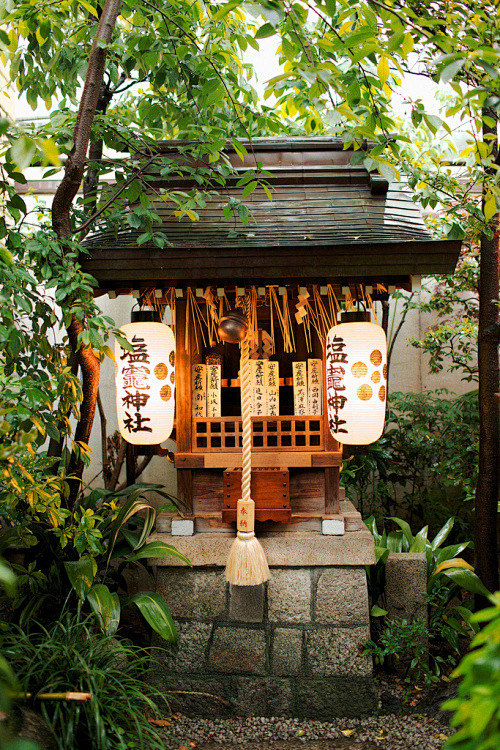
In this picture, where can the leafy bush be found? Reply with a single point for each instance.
(424, 466)
(441, 561)
(70, 656)
(477, 707)
(399, 638)
(449, 613)
(86, 566)
(8, 681)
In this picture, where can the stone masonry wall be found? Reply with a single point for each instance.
(291, 647)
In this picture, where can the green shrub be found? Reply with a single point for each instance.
(396, 640)
(72, 656)
(425, 465)
(442, 562)
(86, 569)
(450, 623)
(477, 707)
(8, 681)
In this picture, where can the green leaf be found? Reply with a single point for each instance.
(227, 8)
(490, 207)
(89, 7)
(155, 611)
(243, 213)
(449, 71)
(420, 540)
(81, 574)
(134, 220)
(106, 605)
(240, 149)
(485, 614)
(371, 523)
(395, 541)
(288, 49)
(215, 94)
(158, 549)
(381, 554)
(331, 7)
(7, 578)
(467, 579)
(404, 526)
(6, 256)
(377, 611)
(407, 46)
(266, 30)
(133, 191)
(442, 534)
(7, 676)
(383, 69)
(433, 122)
(132, 506)
(354, 92)
(50, 152)
(455, 232)
(387, 171)
(248, 189)
(22, 152)
(144, 237)
(18, 743)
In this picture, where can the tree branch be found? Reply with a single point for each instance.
(101, 210)
(73, 172)
(120, 458)
(61, 223)
(104, 451)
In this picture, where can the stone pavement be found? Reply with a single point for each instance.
(292, 745)
(386, 732)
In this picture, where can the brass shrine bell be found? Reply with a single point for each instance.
(233, 327)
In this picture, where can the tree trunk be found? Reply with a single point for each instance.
(91, 180)
(486, 545)
(61, 223)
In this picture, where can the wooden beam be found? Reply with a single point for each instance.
(264, 459)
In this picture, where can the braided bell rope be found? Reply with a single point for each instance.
(246, 423)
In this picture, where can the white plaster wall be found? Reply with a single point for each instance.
(409, 368)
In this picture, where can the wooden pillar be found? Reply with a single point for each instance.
(332, 485)
(183, 428)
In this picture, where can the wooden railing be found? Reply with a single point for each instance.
(286, 433)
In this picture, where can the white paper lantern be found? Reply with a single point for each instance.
(356, 382)
(145, 383)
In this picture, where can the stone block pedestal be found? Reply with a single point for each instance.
(291, 647)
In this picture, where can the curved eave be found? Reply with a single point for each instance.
(144, 266)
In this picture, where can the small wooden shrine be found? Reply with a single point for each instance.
(333, 236)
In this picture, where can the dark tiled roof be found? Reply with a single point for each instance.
(325, 220)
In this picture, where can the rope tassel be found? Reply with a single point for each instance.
(247, 564)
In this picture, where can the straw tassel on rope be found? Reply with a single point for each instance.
(247, 564)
